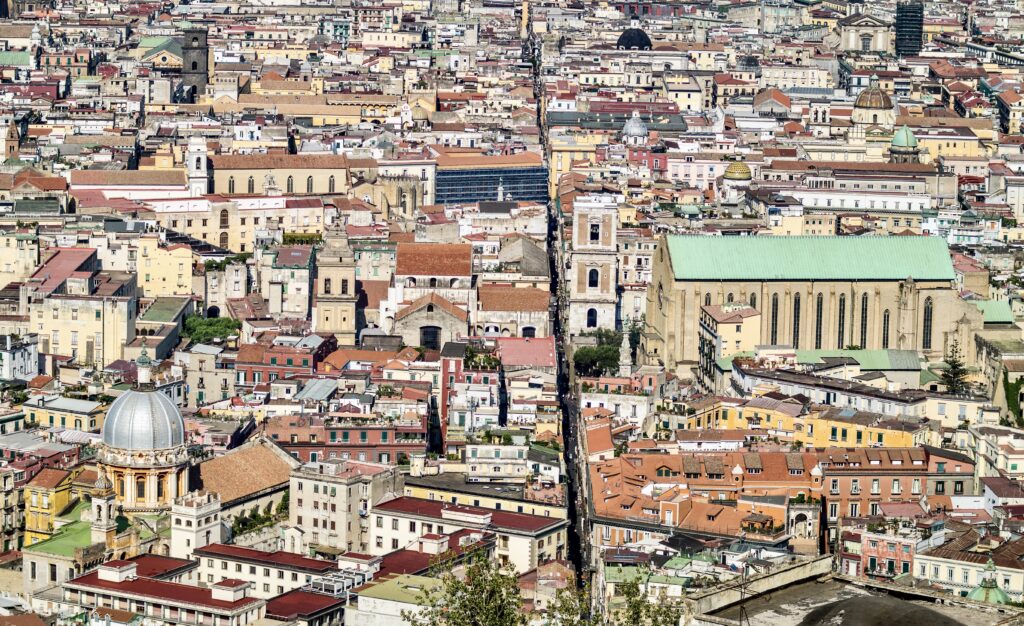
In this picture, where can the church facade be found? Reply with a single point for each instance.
(813, 293)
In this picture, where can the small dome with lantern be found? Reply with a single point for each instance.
(738, 170)
(873, 97)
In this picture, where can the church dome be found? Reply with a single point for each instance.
(873, 97)
(633, 39)
(904, 138)
(143, 420)
(738, 170)
(635, 127)
(989, 591)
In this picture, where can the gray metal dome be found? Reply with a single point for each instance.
(635, 127)
(143, 420)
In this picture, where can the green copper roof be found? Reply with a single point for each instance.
(71, 537)
(696, 257)
(995, 311)
(904, 138)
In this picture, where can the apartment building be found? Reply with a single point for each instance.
(267, 574)
(330, 500)
(118, 585)
(523, 540)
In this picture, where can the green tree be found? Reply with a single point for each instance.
(487, 595)
(954, 377)
(201, 329)
(638, 610)
(571, 607)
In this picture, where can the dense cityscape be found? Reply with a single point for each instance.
(509, 313)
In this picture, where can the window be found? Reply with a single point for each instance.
(290, 185)
(595, 232)
(592, 278)
(885, 330)
(775, 320)
(841, 322)
(251, 185)
(796, 321)
(926, 327)
(225, 221)
(591, 318)
(940, 487)
(309, 184)
(231, 184)
(864, 321)
(330, 185)
(958, 487)
(819, 308)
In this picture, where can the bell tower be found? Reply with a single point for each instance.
(104, 520)
(195, 54)
(336, 287)
(195, 163)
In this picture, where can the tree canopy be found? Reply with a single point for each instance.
(954, 377)
(201, 329)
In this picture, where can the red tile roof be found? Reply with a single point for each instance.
(159, 589)
(279, 558)
(434, 259)
(155, 566)
(502, 520)
(299, 603)
(530, 352)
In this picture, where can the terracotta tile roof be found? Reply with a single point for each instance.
(434, 300)
(113, 178)
(434, 259)
(254, 467)
(49, 478)
(507, 298)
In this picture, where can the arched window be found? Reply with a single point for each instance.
(330, 184)
(775, 319)
(819, 320)
(231, 184)
(841, 322)
(592, 278)
(864, 321)
(753, 300)
(290, 185)
(885, 330)
(707, 299)
(225, 221)
(199, 163)
(140, 488)
(433, 282)
(591, 318)
(796, 321)
(195, 65)
(728, 298)
(224, 240)
(309, 184)
(251, 185)
(926, 328)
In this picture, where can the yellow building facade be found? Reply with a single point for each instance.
(812, 429)
(46, 496)
(163, 270)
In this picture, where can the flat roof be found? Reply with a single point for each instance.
(164, 309)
